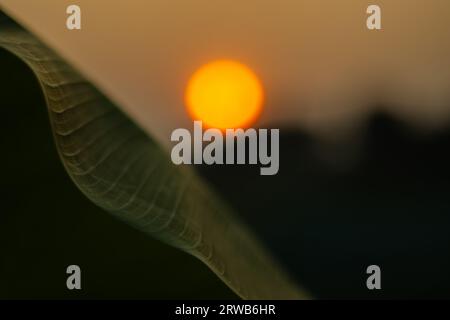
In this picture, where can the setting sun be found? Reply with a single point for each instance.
(224, 94)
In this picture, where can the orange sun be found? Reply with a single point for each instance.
(224, 94)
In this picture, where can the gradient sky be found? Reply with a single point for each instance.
(321, 67)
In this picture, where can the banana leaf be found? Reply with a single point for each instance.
(124, 171)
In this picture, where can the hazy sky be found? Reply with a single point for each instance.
(321, 67)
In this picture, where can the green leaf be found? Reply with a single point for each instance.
(125, 172)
